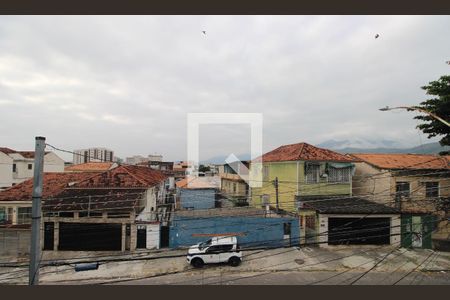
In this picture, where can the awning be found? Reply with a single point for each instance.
(341, 165)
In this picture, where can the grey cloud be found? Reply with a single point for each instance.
(127, 83)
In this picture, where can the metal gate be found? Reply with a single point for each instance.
(49, 235)
(164, 237)
(141, 237)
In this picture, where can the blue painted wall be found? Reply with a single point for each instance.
(256, 231)
(197, 198)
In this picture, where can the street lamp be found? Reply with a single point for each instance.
(418, 109)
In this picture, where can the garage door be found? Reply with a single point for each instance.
(357, 231)
(90, 237)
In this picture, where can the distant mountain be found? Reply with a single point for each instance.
(220, 159)
(341, 147)
(359, 143)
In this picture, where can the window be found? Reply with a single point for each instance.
(30, 166)
(402, 189)
(339, 175)
(312, 173)
(431, 189)
(2, 215)
(14, 168)
(265, 173)
(66, 214)
(234, 187)
(24, 215)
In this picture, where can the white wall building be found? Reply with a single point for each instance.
(18, 166)
(155, 157)
(136, 159)
(92, 155)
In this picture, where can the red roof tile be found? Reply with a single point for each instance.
(90, 167)
(7, 150)
(305, 152)
(125, 176)
(26, 154)
(403, 161)
(54, 183)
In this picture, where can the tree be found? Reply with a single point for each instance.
(203, 168)
(438, 105)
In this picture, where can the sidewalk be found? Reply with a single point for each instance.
(333, 259)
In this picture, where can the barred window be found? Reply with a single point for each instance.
(432, 189)
(339, 175)
(312, 173)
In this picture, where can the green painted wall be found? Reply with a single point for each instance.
(292, 181)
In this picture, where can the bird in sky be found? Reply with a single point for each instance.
(204, 32)
(377, 36)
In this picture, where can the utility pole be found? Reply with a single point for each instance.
(35, 251)
(275, 183)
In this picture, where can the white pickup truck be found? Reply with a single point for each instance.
(221, 249)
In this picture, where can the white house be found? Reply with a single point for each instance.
(18, 166)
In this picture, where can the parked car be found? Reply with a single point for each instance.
(216, 250)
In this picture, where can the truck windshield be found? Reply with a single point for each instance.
(204, 244)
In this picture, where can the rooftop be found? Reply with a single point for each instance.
(346, 205)
(304, 152)
(54, 183)
(398, 161)
(202, 182)
(121, 177)
(25, 154)
(90, 167)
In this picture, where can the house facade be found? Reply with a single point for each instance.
(121, 209)
(195, 192)
(233, 184)
(416, 184)
(117, 210)
(301, 170)
(316, 184)
(18, 166)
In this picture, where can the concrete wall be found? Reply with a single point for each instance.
(373, 188)
(250, 231)
(14, 242)
(197, 198)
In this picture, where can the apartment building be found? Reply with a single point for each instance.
(92, 155)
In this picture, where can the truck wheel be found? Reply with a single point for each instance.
(234, 261)
(197, 262)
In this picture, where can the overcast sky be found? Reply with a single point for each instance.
(127, 83)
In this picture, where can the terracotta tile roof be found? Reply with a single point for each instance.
(7, 150)
(54, 183)
(90, 167)
(126, 177)
(305, 152)
(26, 154)
(203, 182)
(403, 161)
